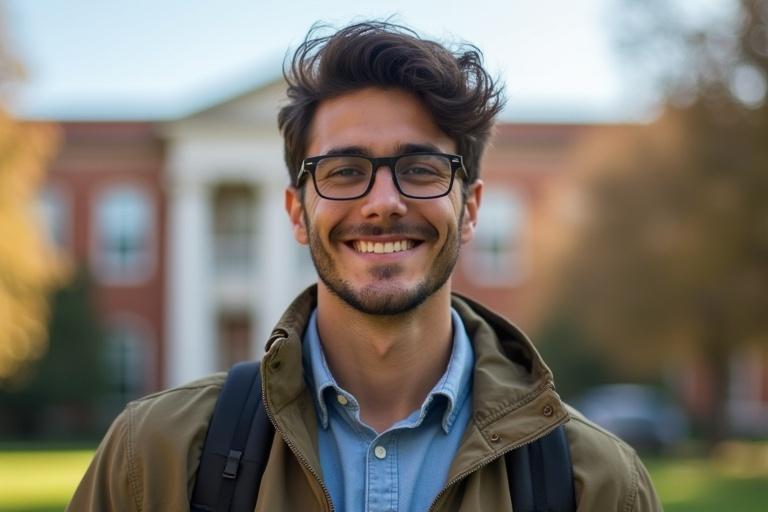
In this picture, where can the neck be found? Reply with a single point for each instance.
(390, 363)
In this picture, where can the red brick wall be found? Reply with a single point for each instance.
(92, 157)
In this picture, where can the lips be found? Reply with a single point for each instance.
(383, 239)
(414, 233)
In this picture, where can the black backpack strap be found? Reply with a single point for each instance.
(540, 475)
(239, 439)
(236, 447)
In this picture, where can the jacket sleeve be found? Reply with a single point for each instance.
(149, 457)
(646, 499)
(608, 475)
(109, 484)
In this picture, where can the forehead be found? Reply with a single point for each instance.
(379, 120)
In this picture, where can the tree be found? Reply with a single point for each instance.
(28, 270)
(70, 379)
(669, 259)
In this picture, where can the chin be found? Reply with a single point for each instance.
(383, 288)
(381, 298)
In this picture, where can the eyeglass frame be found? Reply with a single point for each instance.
(309, 166)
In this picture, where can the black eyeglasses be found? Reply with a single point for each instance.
(416, 175)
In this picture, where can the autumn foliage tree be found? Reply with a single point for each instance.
(28, 268)
(669, 260)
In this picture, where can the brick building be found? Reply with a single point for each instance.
(180, 222)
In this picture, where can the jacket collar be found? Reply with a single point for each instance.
(514, 400)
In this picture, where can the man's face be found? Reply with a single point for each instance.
(420, 237)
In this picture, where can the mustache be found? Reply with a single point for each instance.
(405, 230)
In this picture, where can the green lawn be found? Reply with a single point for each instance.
(735, 479)
(38, 480)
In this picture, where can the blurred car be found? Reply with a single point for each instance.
(640, 415)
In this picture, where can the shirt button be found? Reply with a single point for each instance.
(342, 399)
(380, 452)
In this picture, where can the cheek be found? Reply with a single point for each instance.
(323, 216)
(444, 219)
(451, 213)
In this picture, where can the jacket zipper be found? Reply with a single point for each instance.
(453, 481)
(495, 457)
(303, 460)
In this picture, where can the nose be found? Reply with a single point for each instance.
(383, 200)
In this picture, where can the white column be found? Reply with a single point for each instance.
(273, 282)
(191, 338)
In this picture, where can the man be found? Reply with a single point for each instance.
(385, 390)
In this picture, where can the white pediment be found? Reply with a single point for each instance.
(252, 110)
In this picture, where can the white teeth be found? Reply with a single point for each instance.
(382, 247)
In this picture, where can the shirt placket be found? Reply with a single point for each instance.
(382, 487)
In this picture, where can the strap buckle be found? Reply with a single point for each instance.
(232, 465)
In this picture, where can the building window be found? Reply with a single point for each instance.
(127, 356)
(234, 225)
(234, 339)
(124, 231)
(54, 210)
(495, 257)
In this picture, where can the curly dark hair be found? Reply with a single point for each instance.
(452, 84)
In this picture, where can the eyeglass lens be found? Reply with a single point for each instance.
(417, 175)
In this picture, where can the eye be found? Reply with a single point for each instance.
(419, 170)
(346, 172)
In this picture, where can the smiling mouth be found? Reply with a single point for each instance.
(366, 246)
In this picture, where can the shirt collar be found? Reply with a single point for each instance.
(320, 375)
(454, 384)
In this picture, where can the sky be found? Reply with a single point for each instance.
(160, 59)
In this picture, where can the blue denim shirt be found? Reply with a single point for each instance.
(403, 468)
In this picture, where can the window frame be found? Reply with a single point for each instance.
(144, 269)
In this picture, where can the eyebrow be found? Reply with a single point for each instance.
(400, 149)
(348, 150)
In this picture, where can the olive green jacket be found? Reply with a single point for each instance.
(148, 459)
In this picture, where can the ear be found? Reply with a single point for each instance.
(471, 207)
(295, 210)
